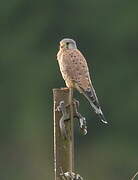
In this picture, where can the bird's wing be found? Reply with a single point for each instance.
(75, 68)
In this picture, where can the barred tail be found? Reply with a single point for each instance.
(97, 110)
(93, 100)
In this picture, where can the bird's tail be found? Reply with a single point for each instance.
(94, 103)
(101, 116)
(97, 110)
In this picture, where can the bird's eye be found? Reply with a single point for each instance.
(67, 43)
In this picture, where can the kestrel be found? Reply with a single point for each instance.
(75, 72)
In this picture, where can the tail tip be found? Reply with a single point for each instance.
(103, 118)
(104, 121)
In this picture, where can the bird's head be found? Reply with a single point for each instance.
(68, 44)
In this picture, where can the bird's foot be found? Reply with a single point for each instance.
(70, 176)
(82, 120)
(65, 116)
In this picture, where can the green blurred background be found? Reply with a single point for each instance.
(106, 33)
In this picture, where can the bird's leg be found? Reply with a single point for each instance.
(70, 176)
(65, 117)
(82, 120)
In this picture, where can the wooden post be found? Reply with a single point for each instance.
(63, 148)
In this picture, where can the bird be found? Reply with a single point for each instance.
(75, 72)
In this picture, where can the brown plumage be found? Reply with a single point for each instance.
(75, 72)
